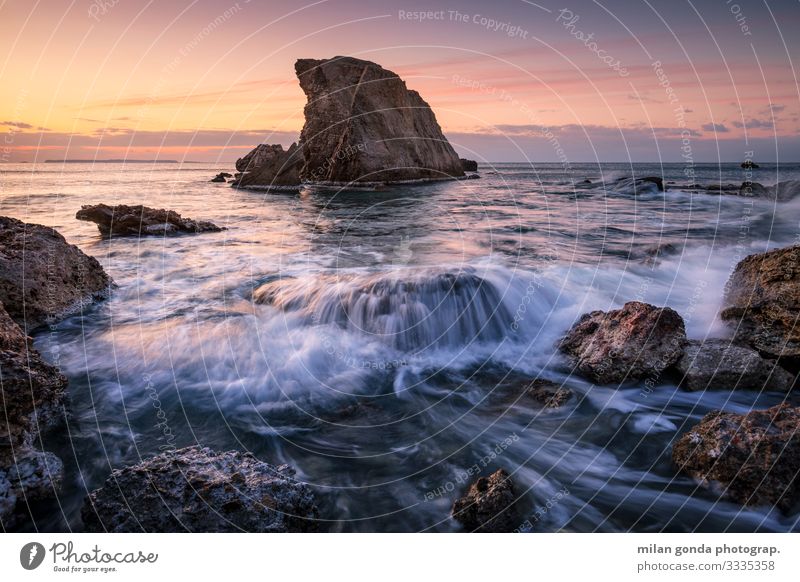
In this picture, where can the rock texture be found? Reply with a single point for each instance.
(637, 341)
(646, 185)
(122, 220)
(363, 125)
(42, 276)
(488, 505)
(31, 393)
(763, 303)
(469, 165)
(270, 167)
(716, 363)
(753, 458)
(198, 490)
(549, 394)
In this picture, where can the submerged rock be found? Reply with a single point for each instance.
(716, 363)
(750, 164)
(753, 458)
(363, 125)
(42, 276)
(631, 343)
(198, 490)
(549, 394)
(635, 186)
(122, 220)
(753, 190)
(489, 505)
(221, 177)
(270, 167)
(469, 165)
(763, 303)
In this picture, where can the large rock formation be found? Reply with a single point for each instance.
(753, 458)
(122, 220)
(198, 490)
(780, 192)
(42, 276)
(763, 299)
(364, 125)
(631, 343)
(716, 363)
(31, 393)
(270, 167)
(489, 505)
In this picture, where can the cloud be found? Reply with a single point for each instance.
(754, 123)
(22, 125)
(715, 127)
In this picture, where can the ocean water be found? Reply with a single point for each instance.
(376, 341)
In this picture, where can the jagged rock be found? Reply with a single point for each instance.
(199, 490)
(363, 125)
(753, 190)
(469, 165)
(637, 341)
(753, 458)
(31, 393)
(763, 303)
(270, 167)
(489, 505)
(42, 276)
(549, 394)
(750, 164)
(716, 363)
(122, 220)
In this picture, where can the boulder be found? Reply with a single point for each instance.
(218, 178)
(750, 165)
(763, 303)
(31, 392)
(753, 190)
(363, 125)
(42, 276)
(270, 167)
(716, 363)
(489, 505)
(636, 186)
(469, 165)
(122, 220)
(198, 490)
(637, 341)
(548, 394)
(754, 459)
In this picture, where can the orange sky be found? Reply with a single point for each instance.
(210, 79)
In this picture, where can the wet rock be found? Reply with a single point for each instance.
(549, 394)
(363, 125)
(219, 177)
(750, 165)
(489, 505)
(753, 190)
(754, 459)
(653, 254)
(716, 363)
(198, 490)
(42, 277)
(763, 303)
(122, 220)
(270, 167)
(637, 341)
(469, 165)
(636, 186)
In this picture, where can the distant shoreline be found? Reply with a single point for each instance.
(112, 161)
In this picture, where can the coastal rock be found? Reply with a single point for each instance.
(636, 186)
(270, 167)
(781, 192)
(753, 458)
(549, 394)
(716, 363)
(753, 190)
(122, 220)
(363, 125)
(198, 490)
(469, 165)
(637, 341)
(42, 276)
(763, 303)
(221, 177)
(488, 505)
(750, 165)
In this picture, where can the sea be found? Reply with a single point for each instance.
(380, 341)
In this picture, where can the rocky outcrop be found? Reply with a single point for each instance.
(763, 303)
(754, 459)
(270, 167)
(780, 192)
(637, 341)
(489, 505)
(636, 186)
(753, 190)
(42, 276)
(32, 392)
(749, 165)
(469, 165)
(198, 490)
(363, 125)
(716, 363)
(548, 394)
(221, 177)
(122, 220)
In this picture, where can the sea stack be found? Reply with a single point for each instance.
(362, 126)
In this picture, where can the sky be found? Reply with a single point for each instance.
(508, 80)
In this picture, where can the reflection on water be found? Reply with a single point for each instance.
(376, 341)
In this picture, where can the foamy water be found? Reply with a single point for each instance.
(376, 341)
